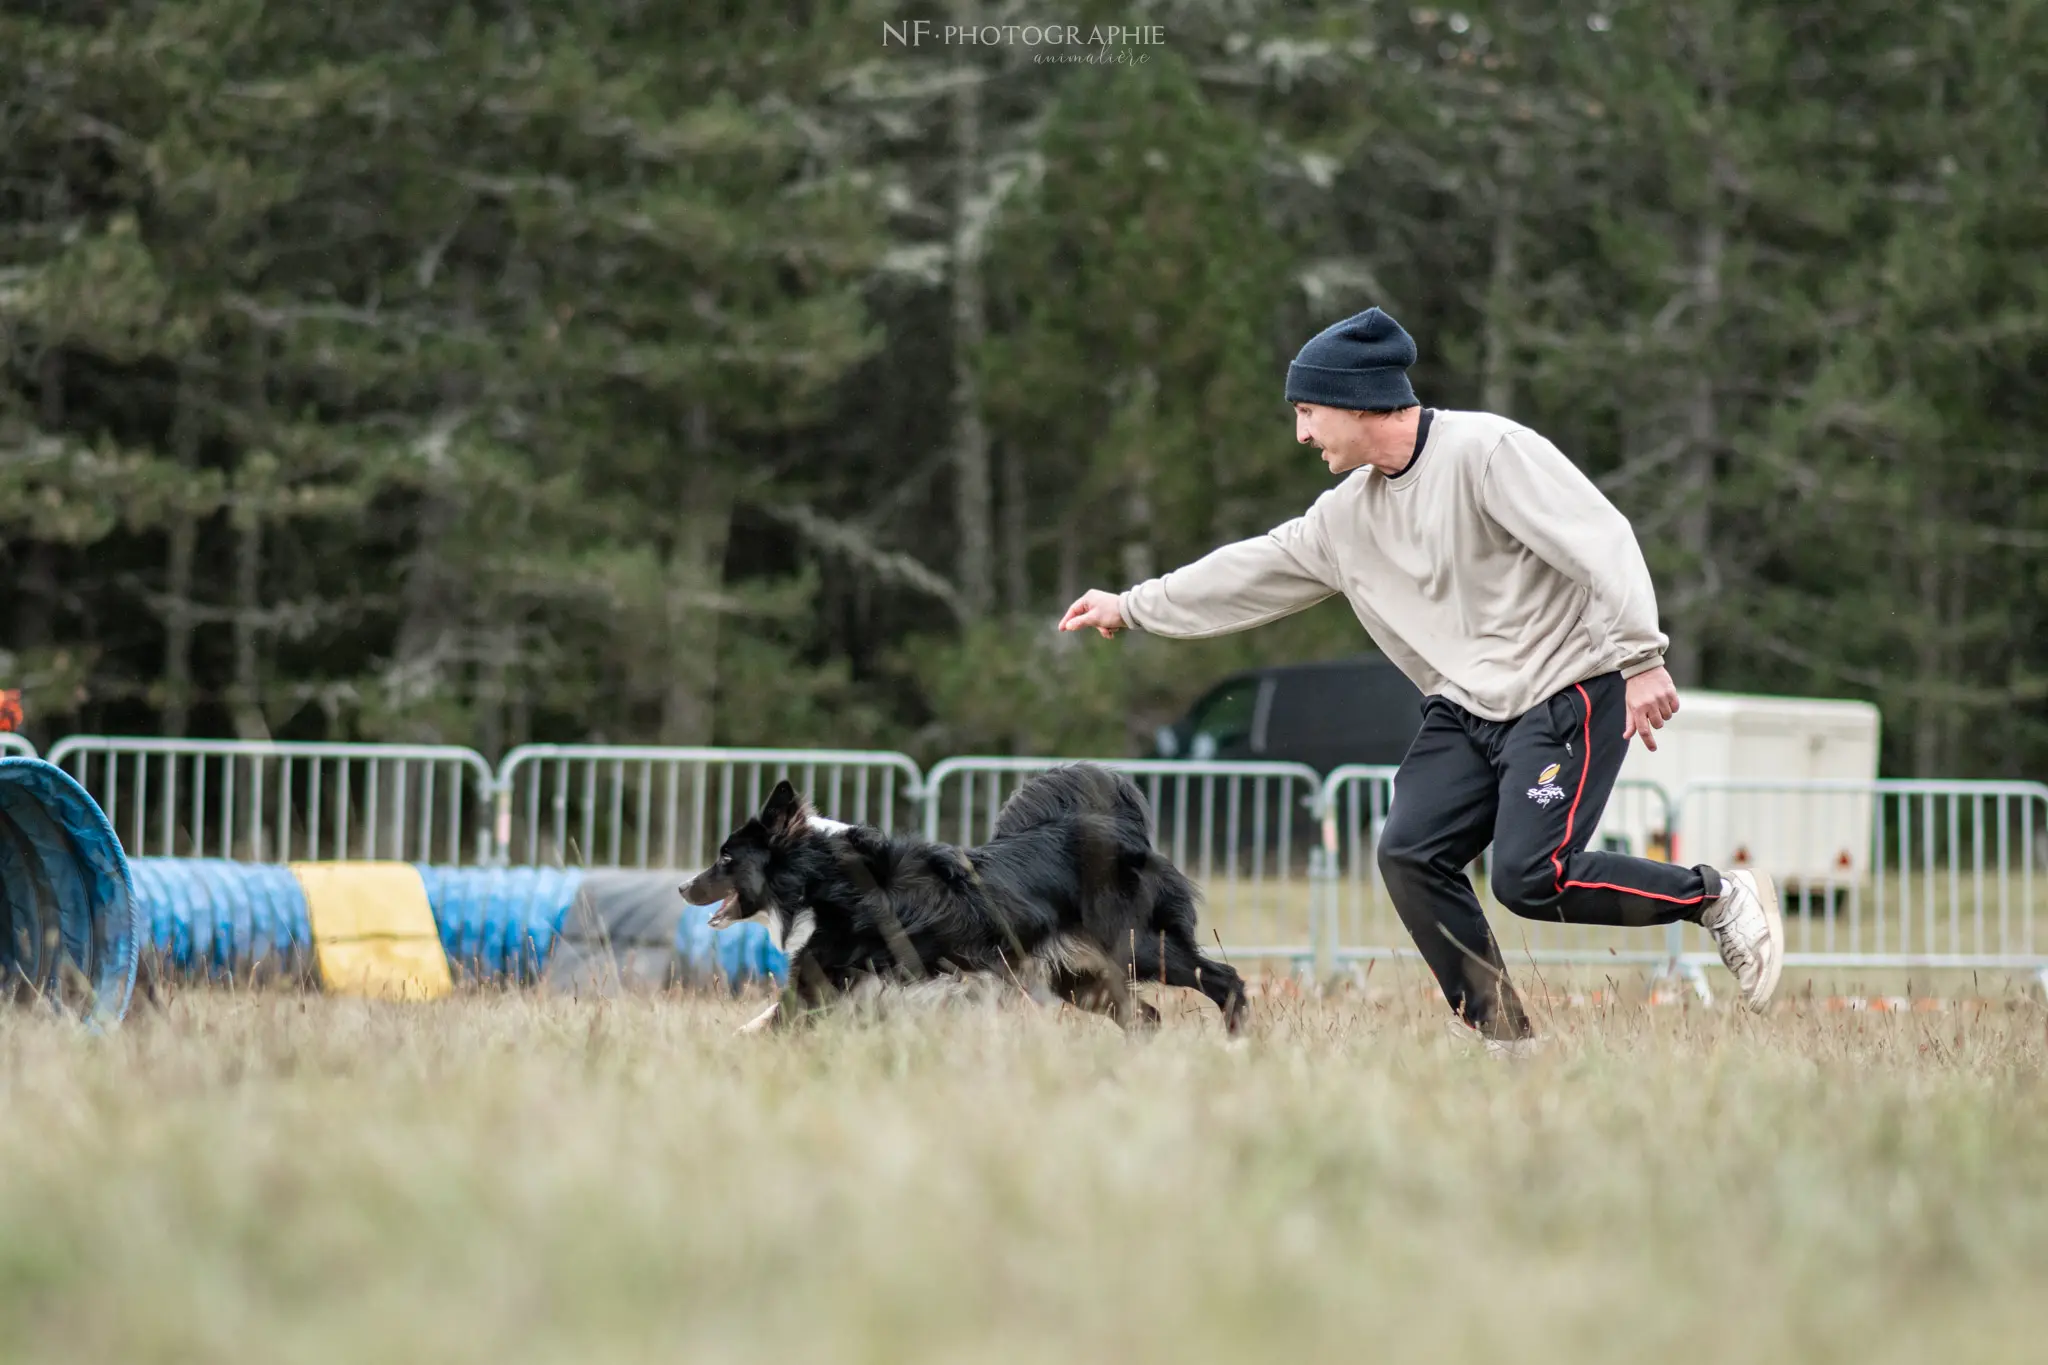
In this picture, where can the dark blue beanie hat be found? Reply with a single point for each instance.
(1361, 362)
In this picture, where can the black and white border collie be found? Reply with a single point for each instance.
(1068, 900)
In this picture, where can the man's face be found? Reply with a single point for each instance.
(1339, 433)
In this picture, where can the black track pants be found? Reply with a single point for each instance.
(1533, 787)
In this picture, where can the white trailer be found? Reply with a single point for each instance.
(1807, 839)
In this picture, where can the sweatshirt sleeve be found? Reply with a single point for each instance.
(1543, 500)
(1239, 586)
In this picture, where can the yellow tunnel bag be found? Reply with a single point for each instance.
(373, 930)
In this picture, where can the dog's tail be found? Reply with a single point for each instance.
(1079, 789)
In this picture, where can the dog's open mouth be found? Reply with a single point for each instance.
(727, 911)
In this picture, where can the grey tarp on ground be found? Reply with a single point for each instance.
(620, 935)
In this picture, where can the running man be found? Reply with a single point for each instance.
(1496, 575)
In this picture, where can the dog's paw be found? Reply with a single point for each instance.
(1142, 1021)
(761, 1022)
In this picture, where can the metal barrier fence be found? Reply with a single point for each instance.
(1888, 874)
(273, 802)
(16, 746)
(638, 807)
(1358, 922)
(1246, 833)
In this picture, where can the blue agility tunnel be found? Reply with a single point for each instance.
(73, 927)
(209, 919)
(80, 917)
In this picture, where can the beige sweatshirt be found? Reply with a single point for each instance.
(1491, 571)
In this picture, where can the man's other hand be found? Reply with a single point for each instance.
(1652, 700)
(1098, 609)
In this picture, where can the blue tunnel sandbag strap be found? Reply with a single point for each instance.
(746, 954)
(524, 916)
(281, 929)
(741, 953)
(215, 956)
(555, 889)
(449, 907)
(159, 922)
(166, 896)
(292, 929)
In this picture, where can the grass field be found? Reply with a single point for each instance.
(501, 1178)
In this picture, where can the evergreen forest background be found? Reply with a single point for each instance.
(728, 373)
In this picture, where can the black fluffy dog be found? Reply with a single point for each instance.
(1068, 899)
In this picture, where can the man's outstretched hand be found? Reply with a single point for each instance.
(1094, 608)
(1652, 700)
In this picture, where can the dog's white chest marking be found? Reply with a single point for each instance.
(789, 935)
(800, 933)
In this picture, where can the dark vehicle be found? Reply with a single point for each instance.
(1356, 710)
(1320, 715)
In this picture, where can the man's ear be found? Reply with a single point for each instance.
(785, 809)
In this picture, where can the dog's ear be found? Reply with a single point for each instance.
(785, 809)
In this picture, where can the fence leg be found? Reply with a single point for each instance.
(1323, 874)
(1322, 926)
(1691, 974)
(1698, 979)
(1677, 968)
(499, 854)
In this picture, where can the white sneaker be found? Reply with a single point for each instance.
(1514, 1049)
(1750, 932)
